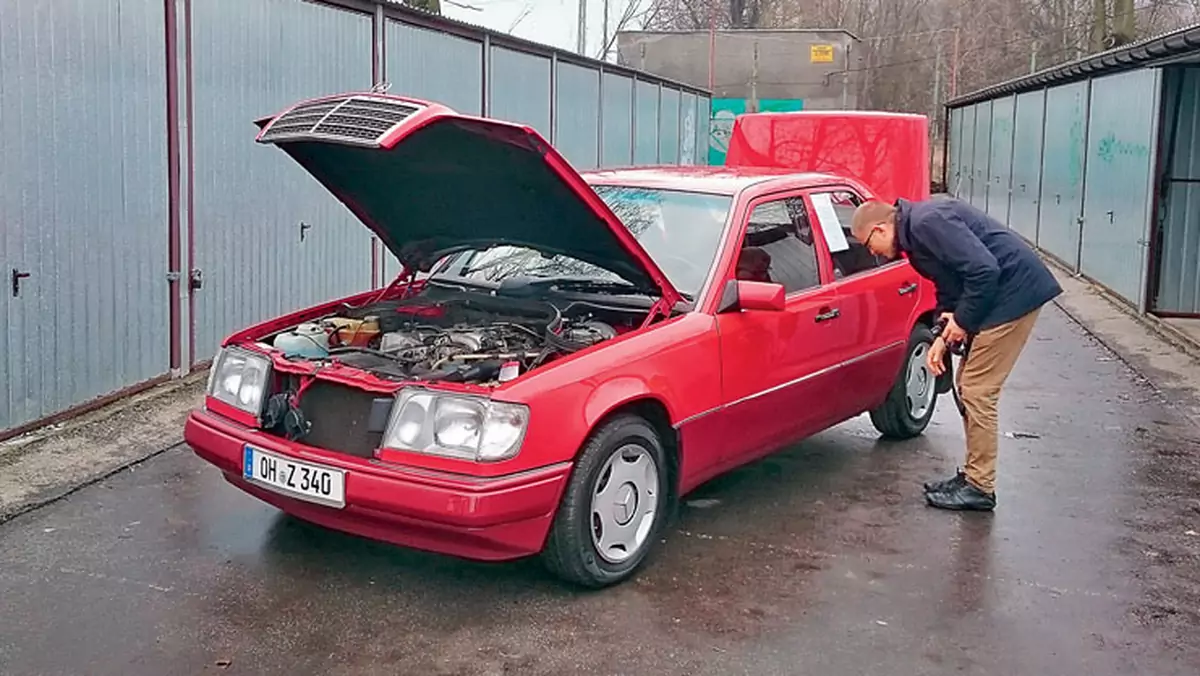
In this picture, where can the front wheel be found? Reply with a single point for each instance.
(910, 403)
(614, 507)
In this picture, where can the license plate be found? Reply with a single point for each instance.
(314, 483)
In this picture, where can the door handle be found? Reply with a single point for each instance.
(17, 276)
(907, 289)
(827, 314)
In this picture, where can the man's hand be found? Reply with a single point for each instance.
(935, 358)
(953, 333)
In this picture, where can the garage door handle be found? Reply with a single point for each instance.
(907, 288)
(827, 314)
(17, 276)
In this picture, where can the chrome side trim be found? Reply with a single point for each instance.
(790, 383)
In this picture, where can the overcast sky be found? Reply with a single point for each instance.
(550, 22)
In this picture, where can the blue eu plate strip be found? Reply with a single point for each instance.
(247, 462)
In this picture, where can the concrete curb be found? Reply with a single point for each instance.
(1166, 362)
(10, 512)
(49, 464)
(1176, 338)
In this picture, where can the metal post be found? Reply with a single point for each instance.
(378, 77)
(679, 128)
(581, 38)
(486, 80)
(604, 34)
(175, 286)
(600, 117)
(633, 110)
(379, 47)
(554, 98)
(658, 111)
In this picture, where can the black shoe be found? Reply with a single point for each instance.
(946, 484)
(962, 497)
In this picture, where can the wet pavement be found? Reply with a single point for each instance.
(822, 559)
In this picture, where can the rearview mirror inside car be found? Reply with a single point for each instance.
(742, 295)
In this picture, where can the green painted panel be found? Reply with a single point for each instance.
(1000, 158)
(725, 110)
(954, 170)
(1062, 171)
(983, 137)
(1027, 163)
(967, 157)
(1121, 132)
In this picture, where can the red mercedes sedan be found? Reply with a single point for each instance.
(563, 356)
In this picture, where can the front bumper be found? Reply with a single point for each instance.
(485, 519)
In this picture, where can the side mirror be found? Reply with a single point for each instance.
(742, 295)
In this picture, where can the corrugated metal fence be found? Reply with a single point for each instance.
(1070, 168)
(139, 223)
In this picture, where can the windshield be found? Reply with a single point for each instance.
(679, 230)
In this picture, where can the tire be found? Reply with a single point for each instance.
(897, 418)
(572, 551)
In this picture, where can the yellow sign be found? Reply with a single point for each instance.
(820, 53)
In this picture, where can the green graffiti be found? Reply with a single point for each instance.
(725, 111)
(1110, 147)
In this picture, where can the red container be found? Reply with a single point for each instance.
(887, 151)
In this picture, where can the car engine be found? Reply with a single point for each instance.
(451, 337)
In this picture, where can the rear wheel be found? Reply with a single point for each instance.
(614, 507)
(910, 403)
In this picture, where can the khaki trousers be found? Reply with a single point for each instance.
(993, 355)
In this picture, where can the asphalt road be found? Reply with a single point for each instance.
(820, 560)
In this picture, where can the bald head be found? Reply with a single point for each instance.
(870, 214)
(874, 226)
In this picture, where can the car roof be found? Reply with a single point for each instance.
(718, 180)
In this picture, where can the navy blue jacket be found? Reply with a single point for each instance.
(985, 273)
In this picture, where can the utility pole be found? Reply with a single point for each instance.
(846, 76)
(937, 79)
(754, 81)
(604, 33)
(1033, 57)
(936, 127)
(712, 47)
(954, 68)
(581, 38)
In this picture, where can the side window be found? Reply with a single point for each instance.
(835, 211)
(778, 247)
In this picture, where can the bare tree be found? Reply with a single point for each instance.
(996, 40)
(431, 6)
(962, 45)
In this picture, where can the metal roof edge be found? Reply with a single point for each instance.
(398, 11)
(705, 31)
(1141, 54)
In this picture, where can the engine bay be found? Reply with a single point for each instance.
(442, 335)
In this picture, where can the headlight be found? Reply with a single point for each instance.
(455, 425)
(239, 378)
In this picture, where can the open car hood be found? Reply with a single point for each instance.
(429, 181)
